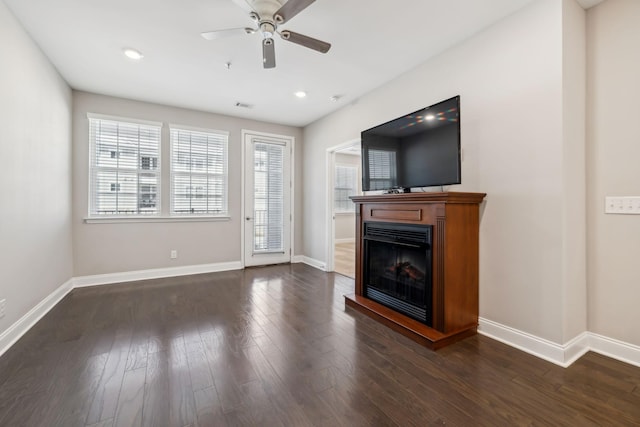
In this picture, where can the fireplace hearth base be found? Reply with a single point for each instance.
(410, 328)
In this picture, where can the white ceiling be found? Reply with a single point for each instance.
(372, 42)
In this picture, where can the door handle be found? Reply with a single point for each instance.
(248, 218)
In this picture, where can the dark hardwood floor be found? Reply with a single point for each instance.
(274, 346)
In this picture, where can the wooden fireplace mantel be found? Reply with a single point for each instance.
(455, 219)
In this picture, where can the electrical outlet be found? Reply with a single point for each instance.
(3, 306)
(174, 254)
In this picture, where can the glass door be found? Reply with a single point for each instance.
(267, 210)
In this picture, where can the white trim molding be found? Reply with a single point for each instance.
(131, 219)
(26, 322)
(297, 259)
(615, 349)
(155, 273)
(561, 354)
(123, 119)
(314, 263)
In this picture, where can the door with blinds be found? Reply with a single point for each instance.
(267, 206)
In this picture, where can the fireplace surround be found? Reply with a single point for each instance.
(448, 263)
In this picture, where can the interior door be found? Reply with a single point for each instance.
(267, 204)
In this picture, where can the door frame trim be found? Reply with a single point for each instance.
(243, 135)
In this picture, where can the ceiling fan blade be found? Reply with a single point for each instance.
(268, 53)
(220, 34)
(306, 41)
(290, 9)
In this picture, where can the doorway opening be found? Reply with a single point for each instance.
(344, 172)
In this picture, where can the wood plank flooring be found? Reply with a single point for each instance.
(344, 259)
(274, 346)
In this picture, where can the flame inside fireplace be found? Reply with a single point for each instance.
(406, 270)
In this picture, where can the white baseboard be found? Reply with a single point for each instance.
(615, 349)
(155, 273)
(26, 322)
(576, 348)
(297, 259)
(526, 342)
(347, 240)
(563, 355)
(314, 263)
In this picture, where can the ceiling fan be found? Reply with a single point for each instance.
(268, 15)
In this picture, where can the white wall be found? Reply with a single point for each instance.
(113, 248)
(510, 78)
(345, 227)
(613, 150)
(35, 177)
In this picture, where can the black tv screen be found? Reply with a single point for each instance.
(421, 149)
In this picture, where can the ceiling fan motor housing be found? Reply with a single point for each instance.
(266, 8)
(268, 29)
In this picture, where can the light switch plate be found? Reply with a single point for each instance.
(626, 205)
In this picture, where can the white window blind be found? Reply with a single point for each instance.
(198, 172)
(124, 168)
(382, 169)
(268, 197)
(345, 185)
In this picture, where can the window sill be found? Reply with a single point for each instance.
(122, 220)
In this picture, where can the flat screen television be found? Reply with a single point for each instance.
(421, 149)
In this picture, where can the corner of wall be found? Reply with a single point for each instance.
(574, 217)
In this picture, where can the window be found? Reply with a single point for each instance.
(345, 185)
(124, 173)
(381, 169)
(268, 197)
(198, 172)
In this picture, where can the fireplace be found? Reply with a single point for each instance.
(397, 268)
(417, 264)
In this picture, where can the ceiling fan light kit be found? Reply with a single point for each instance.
(268, 14)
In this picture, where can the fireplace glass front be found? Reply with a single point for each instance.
(397, 268)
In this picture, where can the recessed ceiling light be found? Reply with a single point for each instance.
(133, 54)
(301, 94)
(429, 117)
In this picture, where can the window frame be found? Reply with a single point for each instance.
(93, 169)
(355, 188)
(224, 213)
